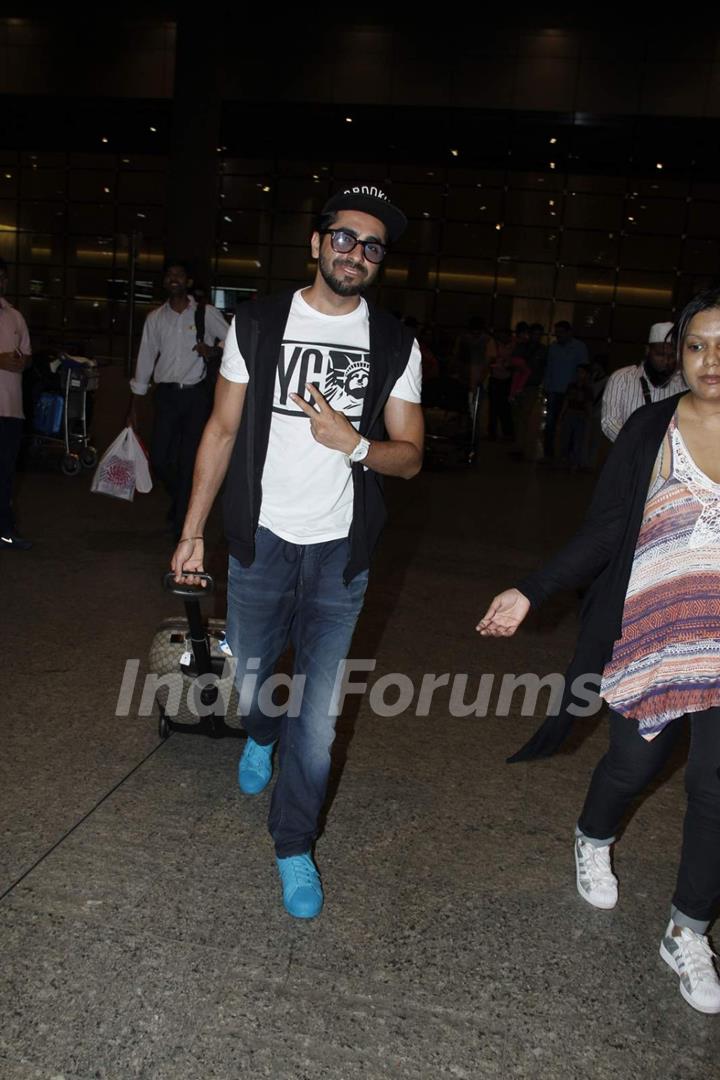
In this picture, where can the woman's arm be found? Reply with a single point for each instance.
(600, 535)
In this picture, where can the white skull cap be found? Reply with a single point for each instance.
(660, 333)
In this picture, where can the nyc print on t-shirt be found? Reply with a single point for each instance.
(340, 373)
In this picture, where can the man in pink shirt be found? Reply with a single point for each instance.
(14, 358)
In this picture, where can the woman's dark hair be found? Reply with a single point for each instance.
(704, 301)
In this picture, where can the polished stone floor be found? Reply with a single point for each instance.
(141, 928)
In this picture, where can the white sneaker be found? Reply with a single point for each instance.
(596, 882)
(690, 956)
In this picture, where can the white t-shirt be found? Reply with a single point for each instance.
(307, 491)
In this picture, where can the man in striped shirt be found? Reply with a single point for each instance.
(653, 380)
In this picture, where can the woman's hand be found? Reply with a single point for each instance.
(505, 614)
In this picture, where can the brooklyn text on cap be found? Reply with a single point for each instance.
(660, 333)
(369, 199)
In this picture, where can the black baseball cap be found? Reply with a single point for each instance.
(369, 199)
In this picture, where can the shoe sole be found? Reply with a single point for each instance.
(670, 961)
(296, 915)
(254, 790)
(581, 891)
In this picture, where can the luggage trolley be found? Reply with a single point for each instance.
(60, 412)
(451, 422)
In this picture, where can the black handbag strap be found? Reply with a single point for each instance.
(646, 390)
(200, 323)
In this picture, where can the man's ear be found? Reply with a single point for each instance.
(315, 241)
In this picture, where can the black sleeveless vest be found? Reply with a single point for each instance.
(259, 326)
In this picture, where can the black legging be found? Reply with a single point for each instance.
(628, 767)
(10, 437)
(499, 408)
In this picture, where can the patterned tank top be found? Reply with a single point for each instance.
(667, 661)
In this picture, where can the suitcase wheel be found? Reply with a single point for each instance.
(163, 726)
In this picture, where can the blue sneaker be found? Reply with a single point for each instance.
(302, 891)
(255, 767)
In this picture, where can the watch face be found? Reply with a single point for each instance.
(360, 450)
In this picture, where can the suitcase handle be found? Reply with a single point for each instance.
(189, 592)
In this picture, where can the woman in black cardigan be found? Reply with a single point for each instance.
(667, 458)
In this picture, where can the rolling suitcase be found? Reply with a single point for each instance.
(195, 690)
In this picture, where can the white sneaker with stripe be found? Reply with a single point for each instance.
(596, 882)
(690, 956)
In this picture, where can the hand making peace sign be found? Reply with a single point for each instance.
(329, 427)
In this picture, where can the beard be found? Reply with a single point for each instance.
(657, 378)
(337, 282)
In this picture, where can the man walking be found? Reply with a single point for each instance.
(14, 358)
(563, 359)
(174, 350)
(318, 398)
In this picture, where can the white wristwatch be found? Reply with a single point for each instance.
(360, 452)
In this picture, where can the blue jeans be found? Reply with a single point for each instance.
(293, 594)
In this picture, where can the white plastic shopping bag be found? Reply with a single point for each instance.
(116, 474)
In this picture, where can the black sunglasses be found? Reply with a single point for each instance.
(344, 242)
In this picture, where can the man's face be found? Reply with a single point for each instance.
(348, 274)
(176, 281)
(661, 355)
(562, 334)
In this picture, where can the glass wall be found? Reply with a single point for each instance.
(549, 220)
(68, 225)
(611, 254)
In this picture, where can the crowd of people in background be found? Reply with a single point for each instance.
(543, 393)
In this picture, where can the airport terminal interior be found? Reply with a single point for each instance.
(551, 171)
